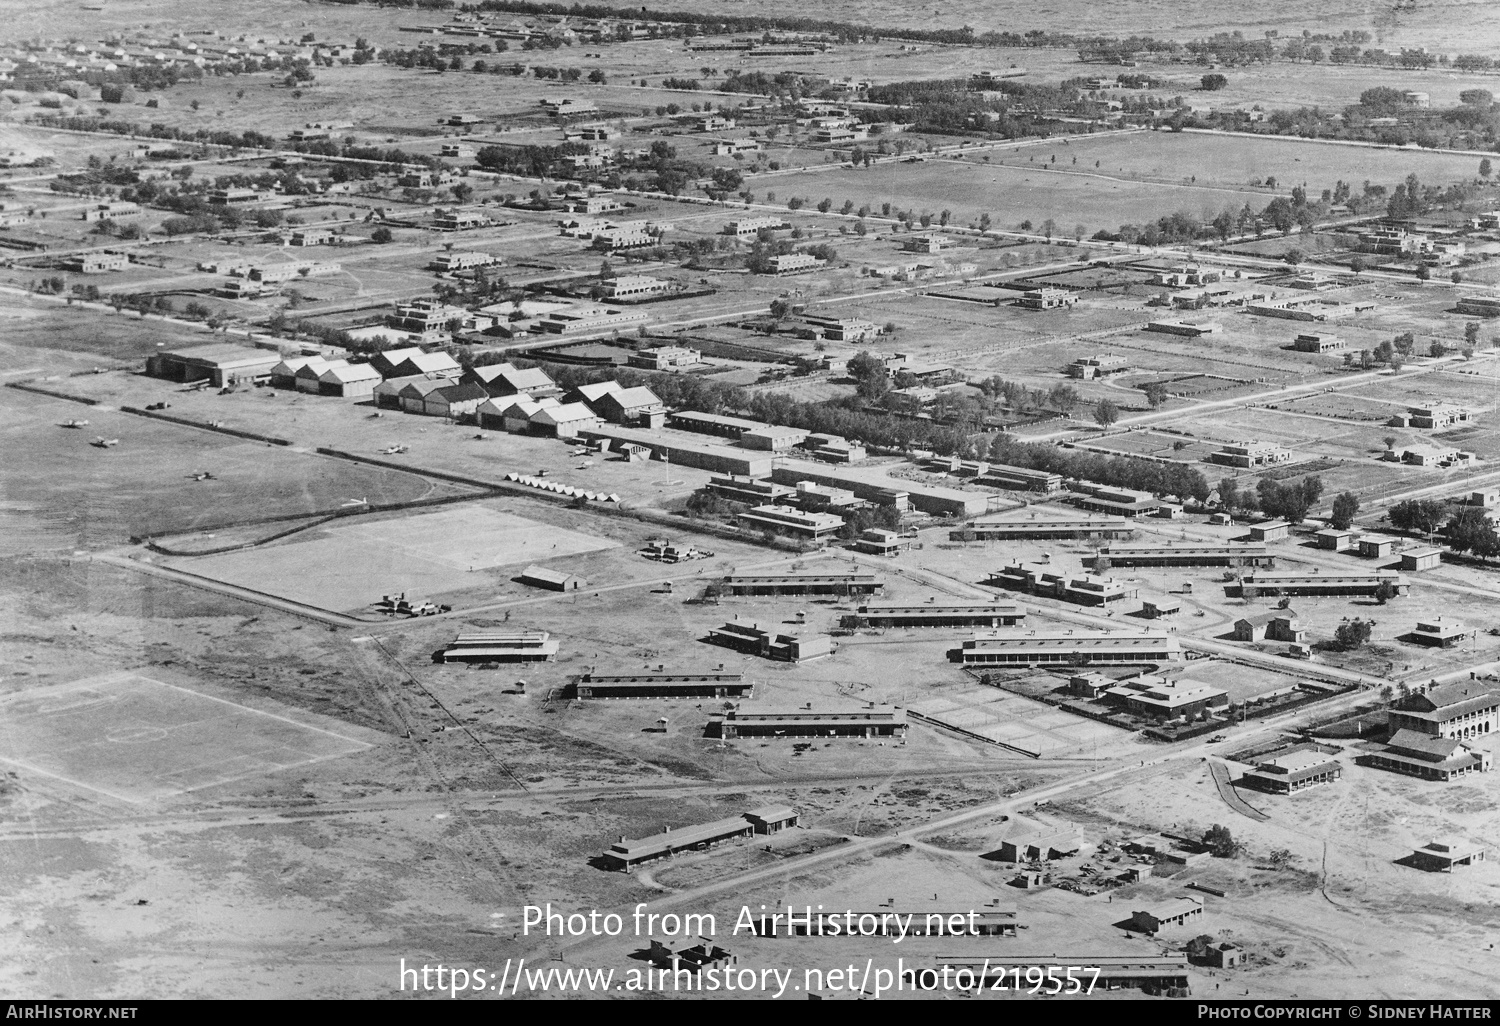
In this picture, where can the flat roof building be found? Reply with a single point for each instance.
(796, 522)
(1162, 699)
(627, 854)
(803, 584)
(712, 423)
(684, 449)
(1421, 559)
(954, 614)
(870, 720)
(1295, 582)
(1087, 590)
(218, 363)
(754, 639)
(877, 541)
(1152, 973)
(1011, 527)
(1442, 855)
(1047, 298)
(1169, 915)
(1441, 632)
(1270, 530)
(501, 647)
(1249, 455)
(1120, 502)
(1000, 475)
(1188, 555)
(715, 684)
(772, 438)
(1077, 647)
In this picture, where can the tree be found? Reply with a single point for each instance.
(1385, 591)
(1469, 530)
(1484, 168)
(1476, 98)
(381, 235)
(1106, 413)
(869, 374)
(1353, 634)
(1213, 83)
(1471, 333)
(1220, 841)
(1420, 516)
(1344, 509)
(1197, 949)
(1156, 393)
(1405, 343)
(1049, 228)
(1294, 256)
(1229, 493)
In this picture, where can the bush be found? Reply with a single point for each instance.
(1352, 634)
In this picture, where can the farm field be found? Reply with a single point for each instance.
(1009, 193)
(1153, 17)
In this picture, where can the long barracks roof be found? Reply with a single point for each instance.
(871, 714)
(1299, 577)
(1248, 549)
(770, 579)
(683, 837)
(662, 677)
(946, 609)
(1018, 638)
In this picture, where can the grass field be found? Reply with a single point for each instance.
(350, 566)
(1140, 176)
(138, 739)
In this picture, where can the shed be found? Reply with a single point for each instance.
(772, 819)
(1270, 530)
(1335, 540)
(553, 580)
(1376, 548)
(1155, 608)
(1421, 559)
(1169, 915)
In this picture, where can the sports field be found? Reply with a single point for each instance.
(1030, 727)
(349, 567)
(138, 739)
